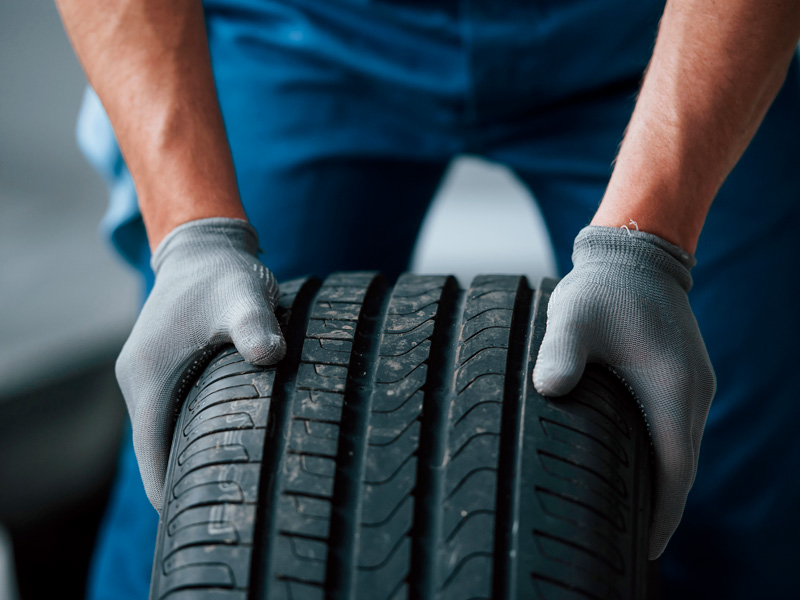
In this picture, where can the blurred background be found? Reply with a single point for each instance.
(67, 303)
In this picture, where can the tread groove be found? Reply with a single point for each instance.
(274, 446)
(518, 368)
(429, 491)
(475, 427)
(347, 491)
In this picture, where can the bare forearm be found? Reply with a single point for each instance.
(148, 62)
(716, 67)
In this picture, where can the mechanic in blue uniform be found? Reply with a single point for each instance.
(332, 124)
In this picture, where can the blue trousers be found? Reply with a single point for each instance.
(342, 117)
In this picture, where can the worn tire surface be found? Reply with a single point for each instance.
(400, 451)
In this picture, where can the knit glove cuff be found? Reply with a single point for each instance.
(203, 236)
(635, 250)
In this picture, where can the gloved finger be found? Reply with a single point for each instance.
(560, 363)
(152, 435)
(675, 469)
(675, 452)
(153, 400)
(255, 332)
(664, 392)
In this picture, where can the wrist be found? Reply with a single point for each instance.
(160, 226)
(634, 221)
(662, 212)
(635, 252)
(178, 189)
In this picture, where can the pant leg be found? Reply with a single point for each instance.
(738, 536)
(337, 156)
(334, 175)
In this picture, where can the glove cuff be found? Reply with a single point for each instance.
(204, 235)
(636, 249)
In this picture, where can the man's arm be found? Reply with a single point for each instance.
(148, 62)
(716, 67)
(715, 70)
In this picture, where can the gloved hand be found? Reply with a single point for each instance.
(210, 289)
(624, 304)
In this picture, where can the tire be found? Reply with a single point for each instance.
(400, 451)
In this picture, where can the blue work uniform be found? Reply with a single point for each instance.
(342, 116)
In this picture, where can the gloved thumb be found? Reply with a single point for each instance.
(560, 363)
(257, 336)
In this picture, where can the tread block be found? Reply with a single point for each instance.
(388, 574)
(480, 450)
(301, 558)
(384, 461)
(597, 557)
(486, 362)
(469, 580)
(230, 363)
(377, 548)
(240, 516)
(300, 481)
(320, 351)
(393, 438)
(241, 479)
(385, 428)
(584, 469)
(314, 437)
(473, 442)
(491, 317)
(488, 337)
(409, 323)
(202, 534)
(380, 500)
(331, 329)
(311, 377)
(304, 515)
(388, 398)
(247, 441)
(342, 311)
(222, 566)
(599, 444)
(298, 590)
(235, 391)
(318, 406)
(473, 493)
(395, 368)
(318, 465)
(583, 507)
(238, 414)
(398, 344)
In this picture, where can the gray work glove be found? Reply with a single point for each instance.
(624, 304)
(210, 289)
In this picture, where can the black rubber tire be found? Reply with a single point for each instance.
(400, 451)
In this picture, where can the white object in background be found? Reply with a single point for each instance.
(483, 220)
